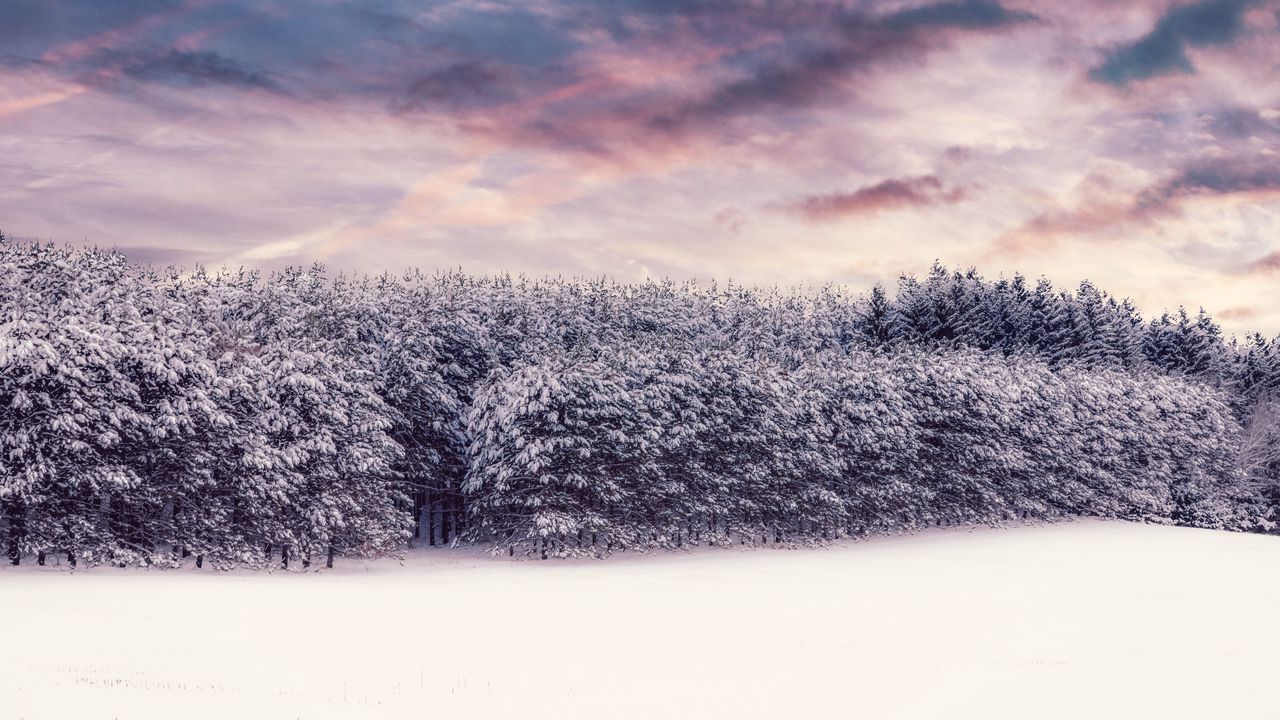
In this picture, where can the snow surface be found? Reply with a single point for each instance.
(1075, 620)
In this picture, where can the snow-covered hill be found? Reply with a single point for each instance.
(1075, 620)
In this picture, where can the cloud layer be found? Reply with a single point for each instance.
(763, 140)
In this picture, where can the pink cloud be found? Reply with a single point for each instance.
(1266, 265)
(888, 195)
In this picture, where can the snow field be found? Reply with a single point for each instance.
(1088, 619)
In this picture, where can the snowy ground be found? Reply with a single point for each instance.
(1077, 620)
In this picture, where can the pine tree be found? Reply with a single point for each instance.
(874, 319)
(146, 417)
(553, 449)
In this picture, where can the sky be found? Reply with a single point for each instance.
(763, 141)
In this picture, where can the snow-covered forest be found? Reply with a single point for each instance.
(235, 418)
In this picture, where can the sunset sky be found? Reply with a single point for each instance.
(794, 141)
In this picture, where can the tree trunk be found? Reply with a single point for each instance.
(417, 513)
(429, 506)
(284, 557)
(71, 560)
(444, 522)
(329, 562)
(40, 558)
(138, 537)
(199, 561)
(115, 522)
(12, 512)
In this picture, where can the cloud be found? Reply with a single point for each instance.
(1217, 176)
(458, 86)
(1239, 312)
(1091, 217)
(35, 21)
(512, 36)
(816, 72)
(1244, 122)
(563, 75)
(22, 104)
(888, 195)
(602, 132)
(184, 68)
(1266, 265)
(1163, 51)
(1105, 210)
(965, 14)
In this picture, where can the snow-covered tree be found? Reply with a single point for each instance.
(554, 454)
(146, 417)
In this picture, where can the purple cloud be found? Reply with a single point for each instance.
(1217, 176)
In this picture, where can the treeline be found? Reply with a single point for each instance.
(149, 416)
(650, 446)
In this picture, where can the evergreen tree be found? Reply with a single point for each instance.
(146, 417)
(875, 321)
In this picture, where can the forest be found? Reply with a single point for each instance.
(235, 418)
